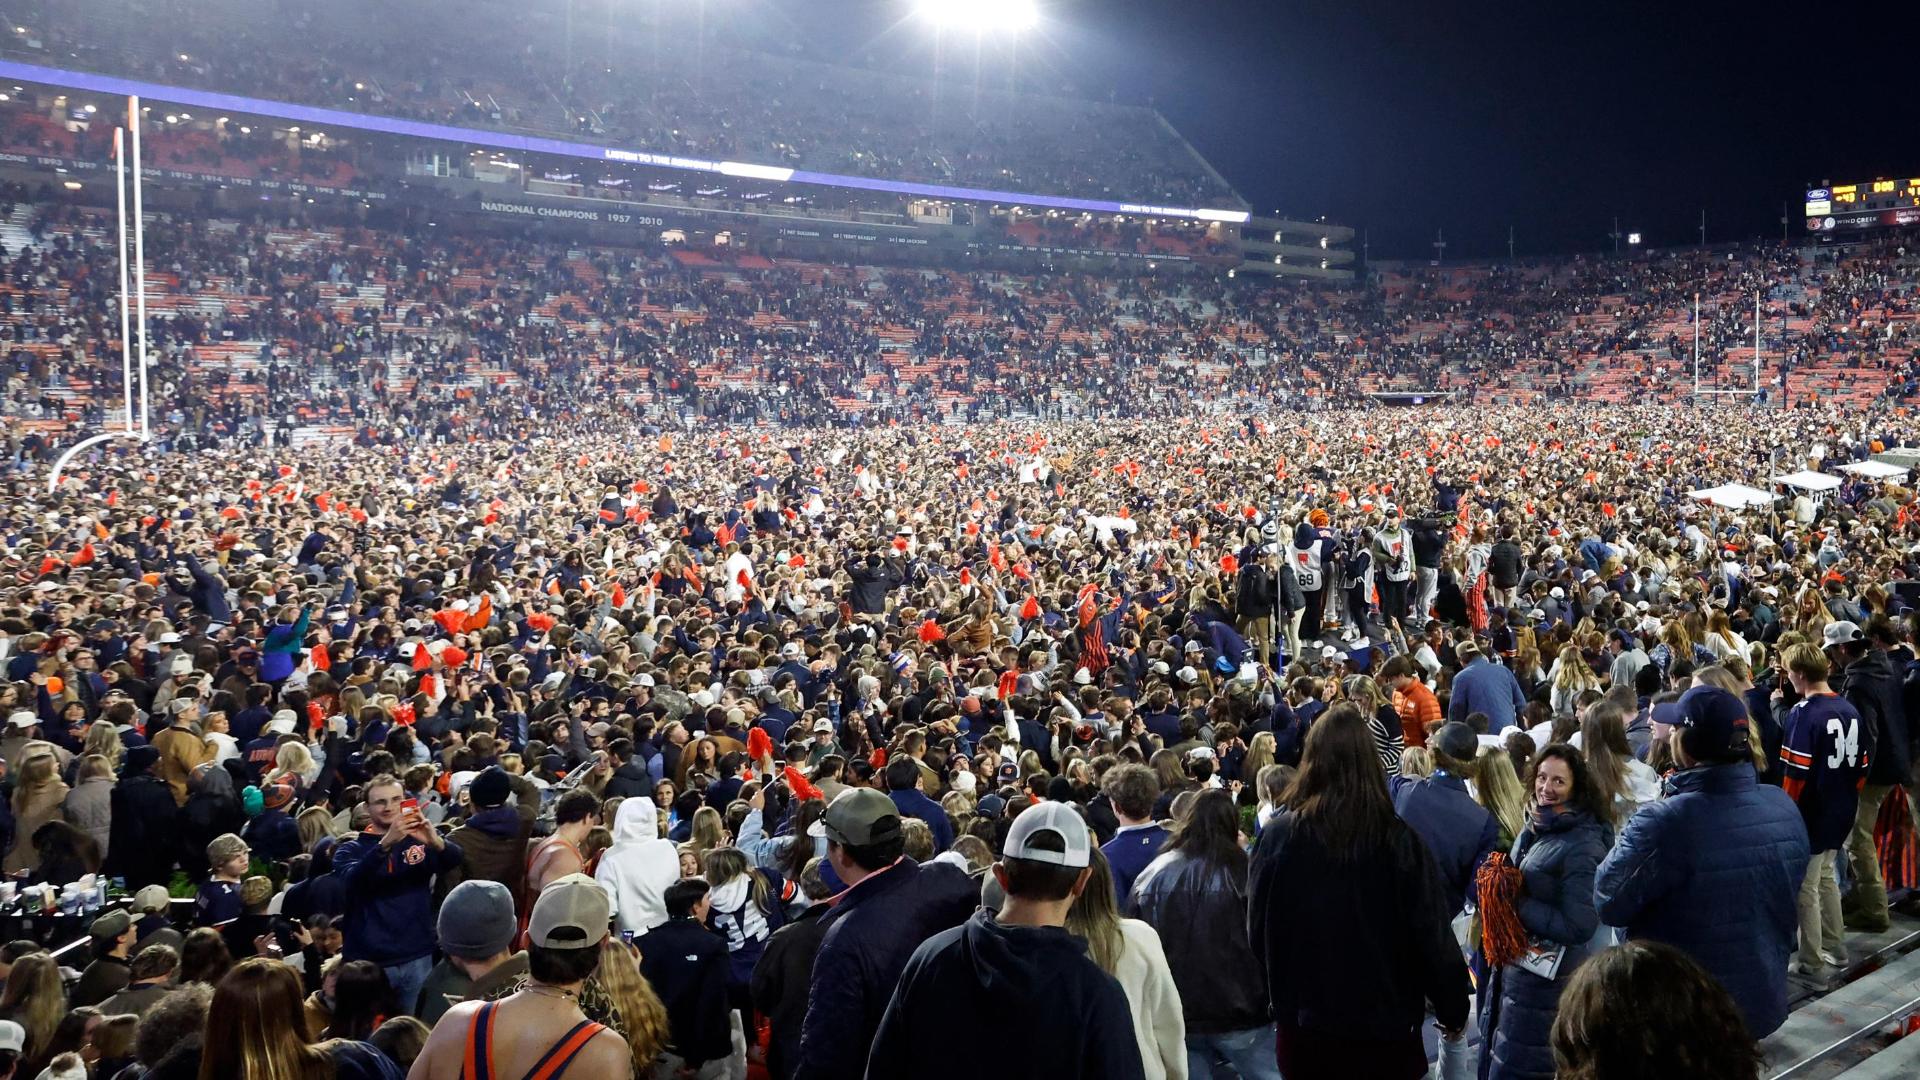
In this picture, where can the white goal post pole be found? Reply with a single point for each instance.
(126, 316)
(139, 263)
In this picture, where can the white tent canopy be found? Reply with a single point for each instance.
(1733, 496)
(1874, 470)
(1807, 480)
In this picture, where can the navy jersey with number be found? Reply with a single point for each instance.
(1825, 766)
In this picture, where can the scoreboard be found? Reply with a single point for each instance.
(1874, 204)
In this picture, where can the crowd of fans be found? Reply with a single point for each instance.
(526, 729)
(690, 663)
(655, 80)
(264, 326)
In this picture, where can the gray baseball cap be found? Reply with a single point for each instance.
(859, 816)
(572, 913)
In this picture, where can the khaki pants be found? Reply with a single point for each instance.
(1868, 901)
(1259, 633)
(1821, 931)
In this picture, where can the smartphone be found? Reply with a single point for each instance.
(626, 936)
(410, 805)
(283, 930)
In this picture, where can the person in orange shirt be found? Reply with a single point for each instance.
(1419, 710)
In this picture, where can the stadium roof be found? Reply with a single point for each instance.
(533, 144)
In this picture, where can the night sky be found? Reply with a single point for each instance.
(1403, 118)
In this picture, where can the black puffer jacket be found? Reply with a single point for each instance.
(1872, 686)
(1199, 909)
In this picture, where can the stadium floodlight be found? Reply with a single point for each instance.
(981, 15)
(1633, 238)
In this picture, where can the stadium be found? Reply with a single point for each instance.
(738, 538)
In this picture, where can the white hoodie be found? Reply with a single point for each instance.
(639, 866)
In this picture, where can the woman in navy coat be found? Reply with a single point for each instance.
(1557, 855)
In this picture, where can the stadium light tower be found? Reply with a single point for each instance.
(981, 16)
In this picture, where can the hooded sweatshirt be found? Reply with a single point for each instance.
(639, 866)
(1034, 986)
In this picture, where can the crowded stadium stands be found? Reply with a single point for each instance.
(292, 327)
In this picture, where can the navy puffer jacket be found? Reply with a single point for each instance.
(1714, 870)
(1557, 858)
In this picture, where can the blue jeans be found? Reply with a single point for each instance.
(1250, 1052)
(406, 980)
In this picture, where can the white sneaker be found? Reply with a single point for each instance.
(1795, 967)
(1838, 960)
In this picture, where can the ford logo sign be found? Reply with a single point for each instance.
(1816, 194)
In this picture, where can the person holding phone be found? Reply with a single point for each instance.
(389, 871)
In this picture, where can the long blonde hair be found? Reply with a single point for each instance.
(1365, 695)
(257, 1027)
(104, 739)
(1259, 755)
(313, 823)
(1574, 674)
(35, 1000)
(1095, 917)
(1727, 679)
(709, 831)
(40, 772)
(642, 1013)
(293, 760)
(1603, 738)
(1497, 787)
(723, 864)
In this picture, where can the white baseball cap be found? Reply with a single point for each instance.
(13, 1037)
(1050, 817)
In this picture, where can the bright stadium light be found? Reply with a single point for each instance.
(981, 15)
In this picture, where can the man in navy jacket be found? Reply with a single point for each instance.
(389, 871)
(1459, 832)
(890, 906)
(903, 787)
(1714, 869)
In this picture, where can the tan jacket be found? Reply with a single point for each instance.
(181, 751)
(41, 807)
